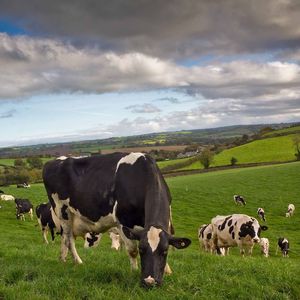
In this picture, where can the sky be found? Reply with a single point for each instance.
(77, 70)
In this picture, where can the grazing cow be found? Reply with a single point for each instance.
(6, 197)
(261, 213)
(291, 209)
(236, 230)
(238, 199)
(47, 220)
(23, 185)
(264, 246)
(93, 194)
(23, 206)
(284, 246)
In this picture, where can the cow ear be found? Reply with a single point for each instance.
(179, 243)
(264, 228)
(130, 233)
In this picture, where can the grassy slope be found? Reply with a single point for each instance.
(276, 149)
(30, 269)
(10, 161)
(283, 131)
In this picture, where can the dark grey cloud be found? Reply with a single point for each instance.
(175, 28)
(8, 114)
(145, 108)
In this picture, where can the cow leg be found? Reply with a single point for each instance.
(52, 233)
(68, 243)
(132, 250)
(44, 230)
(31, 214)
(242, 251)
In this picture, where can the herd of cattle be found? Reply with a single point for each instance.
(126, 195)
(239, 230)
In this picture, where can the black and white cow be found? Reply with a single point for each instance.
(47, 220)
(261, 213)
(93, 194)
(23, 206)
(238, 199)
(23, 185)
(284, 246)
(236, 230)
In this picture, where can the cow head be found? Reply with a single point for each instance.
(251, 230)
(153, 248)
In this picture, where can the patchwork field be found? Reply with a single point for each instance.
(31, 270)
(275, 149)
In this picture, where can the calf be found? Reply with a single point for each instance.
(47, 220)
(264, 246)
(261, 213)
(238, 199)
(236, 230)
(284, 246)
(23, 206)
(5, 197)
(291, 209)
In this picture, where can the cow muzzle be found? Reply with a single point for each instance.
(149, 282)
(256, 240)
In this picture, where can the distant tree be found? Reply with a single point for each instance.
(206, 157)
(233, 161)
(296, 142)
(35, 162)
(19, 162)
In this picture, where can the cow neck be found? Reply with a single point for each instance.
(157, 209)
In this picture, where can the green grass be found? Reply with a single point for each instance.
(276, 149)
(31, 270)
(283, 131)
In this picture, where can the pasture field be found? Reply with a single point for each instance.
(276, 149)
(283, 131)
(10, 161)
(31, 270)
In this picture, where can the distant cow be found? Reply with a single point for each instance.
(236, 230)
(6, 197)
(264, 246)
(125, 190)
(47, 220)
(23, 206)
(261, 213)
(23, 185)
(238, 199)
(291, 209)
(284, 246)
